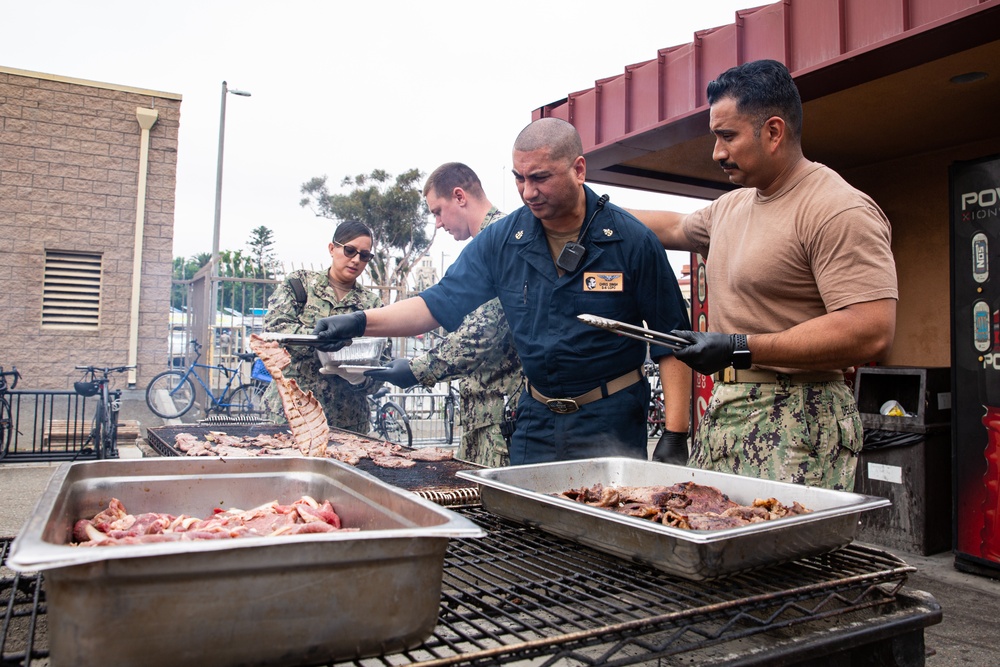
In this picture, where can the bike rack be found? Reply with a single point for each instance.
(48, 426)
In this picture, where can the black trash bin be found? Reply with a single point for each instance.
(906, 459)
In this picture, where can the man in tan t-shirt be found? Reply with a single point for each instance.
(802, 284)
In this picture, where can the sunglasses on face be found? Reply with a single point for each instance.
(350, 251)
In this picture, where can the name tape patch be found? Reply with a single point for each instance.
(603, 282)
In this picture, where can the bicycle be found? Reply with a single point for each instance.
(424, 403)
(389, 420)
(6, 418)
(655, 415)
(656, 412)
(171, 394)
(420, 401)
(103, 435)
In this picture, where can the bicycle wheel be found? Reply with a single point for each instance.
(6, 426)
(394, 424)
(420, 401)
(170, 394)
(97, 432)
(247, 399)
(110, 432)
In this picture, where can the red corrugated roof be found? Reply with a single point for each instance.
(828, 45)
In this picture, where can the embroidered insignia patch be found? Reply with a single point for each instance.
(603, 282)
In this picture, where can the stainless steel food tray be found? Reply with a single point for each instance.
(270, 600)
(523, 493)
(362, 351)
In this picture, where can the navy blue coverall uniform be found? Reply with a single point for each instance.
(624, 276)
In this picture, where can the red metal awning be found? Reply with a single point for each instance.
(876, 79)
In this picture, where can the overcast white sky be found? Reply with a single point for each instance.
(341, 88)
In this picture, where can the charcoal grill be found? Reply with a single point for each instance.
(433, 480)
(521, 594)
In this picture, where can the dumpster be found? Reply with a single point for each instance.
(906, 458)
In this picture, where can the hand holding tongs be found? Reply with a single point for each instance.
(632, 331)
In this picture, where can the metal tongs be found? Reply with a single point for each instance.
(292, 339)
(632, 331)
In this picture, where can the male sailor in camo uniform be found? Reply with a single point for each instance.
(481, 350)
(800, 265)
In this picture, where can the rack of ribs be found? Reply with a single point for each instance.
(305, 415)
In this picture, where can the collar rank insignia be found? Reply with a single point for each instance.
(519, 234)
(608, 232)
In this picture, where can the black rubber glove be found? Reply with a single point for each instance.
(708, 352)
(337, 331)
(396, 373)
(672, 447)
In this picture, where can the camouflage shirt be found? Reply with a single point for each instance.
(481, 352)
(345, 404)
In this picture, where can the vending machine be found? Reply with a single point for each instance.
(974, 201)
(701, 390)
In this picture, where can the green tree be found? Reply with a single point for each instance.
(395, 211)
(264, 265)
(233, 293)
(263, 258)
(184, 269)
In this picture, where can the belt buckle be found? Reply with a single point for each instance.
(562, 406)
(728, 375)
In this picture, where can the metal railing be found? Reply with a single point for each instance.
(429, 418)
(49, 426)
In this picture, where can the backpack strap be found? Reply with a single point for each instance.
(300, 292)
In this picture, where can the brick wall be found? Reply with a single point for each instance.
(69, 174)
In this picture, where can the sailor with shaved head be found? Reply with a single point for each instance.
(566, 252)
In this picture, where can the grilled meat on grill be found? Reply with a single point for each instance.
(685, 505)
(342, 446)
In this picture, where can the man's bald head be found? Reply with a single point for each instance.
(558, 137)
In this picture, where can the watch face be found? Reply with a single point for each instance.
(741, 359)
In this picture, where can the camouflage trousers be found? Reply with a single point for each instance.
(802, 433)
(484, 446)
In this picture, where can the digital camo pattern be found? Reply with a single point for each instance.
(345, 405)
(803, 433)
(484, 446)
(481, 353)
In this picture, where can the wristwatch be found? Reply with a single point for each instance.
(741, 353)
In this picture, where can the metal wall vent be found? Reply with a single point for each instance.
(71, 294)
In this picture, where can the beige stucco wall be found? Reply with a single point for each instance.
(913, 192)
(69, 172)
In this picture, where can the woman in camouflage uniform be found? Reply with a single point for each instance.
(331, 293)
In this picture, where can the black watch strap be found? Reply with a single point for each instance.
(741, 352)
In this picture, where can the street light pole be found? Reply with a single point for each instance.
(218, 200)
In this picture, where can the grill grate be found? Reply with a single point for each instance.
(226, 420)
(23, 624)
(521, 594)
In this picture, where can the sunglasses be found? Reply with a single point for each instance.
(351, 251)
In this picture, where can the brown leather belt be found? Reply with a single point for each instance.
(733, 376)
(565, 406)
